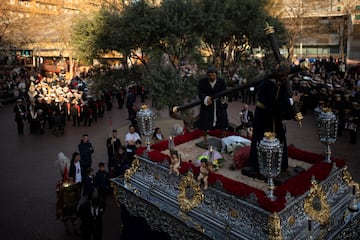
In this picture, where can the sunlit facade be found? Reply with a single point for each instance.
(324, 28)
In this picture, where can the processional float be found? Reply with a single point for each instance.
(179, 207)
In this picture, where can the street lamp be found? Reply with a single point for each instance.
(327, 125)
(270, 152)
(146, 123)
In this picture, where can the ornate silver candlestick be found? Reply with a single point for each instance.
(171, 144)
(146, 123)
(269, 157)
(353, 207)
(327, 125)
(211, 154)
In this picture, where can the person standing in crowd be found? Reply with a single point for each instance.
(246, 117)
(22, 88)
(86, 150)
(133, 118)
(120, 97)
(113, 144)
(40, 121)
(157, 136)
(87, 115)
(119, 162)
(132, 139)
(91, 213)
(108, 100)
(252, 95)
(213, 113)
(69, 191)
(354, 122)
(273, 106)
(75, 168)
(20, 115)
(130, 100)
(88, 186)
(102, 182)
(75, 111)
(31, 116)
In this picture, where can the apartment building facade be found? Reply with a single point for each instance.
(318, 28)
(323, 28)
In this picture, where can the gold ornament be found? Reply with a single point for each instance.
(349, 180)
(269, 135)
(291, 220)
(335, 188)
(132, 170)
(347, 176)
(274, 227)
(299, 117)
(233, 213)
(115, 188)
(186, 185)
(316, 205)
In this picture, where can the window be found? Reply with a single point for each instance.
(24, 3)
(338, 8)
(357, 17)
(357, 8)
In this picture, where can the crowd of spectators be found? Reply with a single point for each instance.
(323, 83)
(326, 84)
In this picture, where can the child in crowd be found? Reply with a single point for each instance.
(102, 182)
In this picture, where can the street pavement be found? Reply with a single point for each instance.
(29, 175)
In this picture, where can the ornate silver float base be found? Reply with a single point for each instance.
(152, 193)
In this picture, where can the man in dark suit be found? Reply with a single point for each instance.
(246, 117)
(86, 150)
(213, 113)
(20, 114)
(90, 214)
(113, 144)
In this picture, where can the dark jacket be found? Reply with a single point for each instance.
(272, 108)
(101, 180)
(206, 119)
(85, 150)
(112, 146)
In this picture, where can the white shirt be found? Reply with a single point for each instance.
(159, 136)
(22, 86)
(132, 137)
(77, 173)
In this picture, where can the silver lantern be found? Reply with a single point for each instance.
(327, 125)
(146, 123)
(171, 144)
(211, 154)
(270, 152)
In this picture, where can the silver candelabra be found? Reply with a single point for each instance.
(327, 125)
(146, 123)
(270, 152)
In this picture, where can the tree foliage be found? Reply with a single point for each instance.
(170, 38)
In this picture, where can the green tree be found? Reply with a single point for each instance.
(170, 39)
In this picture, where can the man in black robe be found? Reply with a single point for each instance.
(274, 105)
(213, 113)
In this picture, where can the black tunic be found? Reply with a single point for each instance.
(272, 108)
(206, 119)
